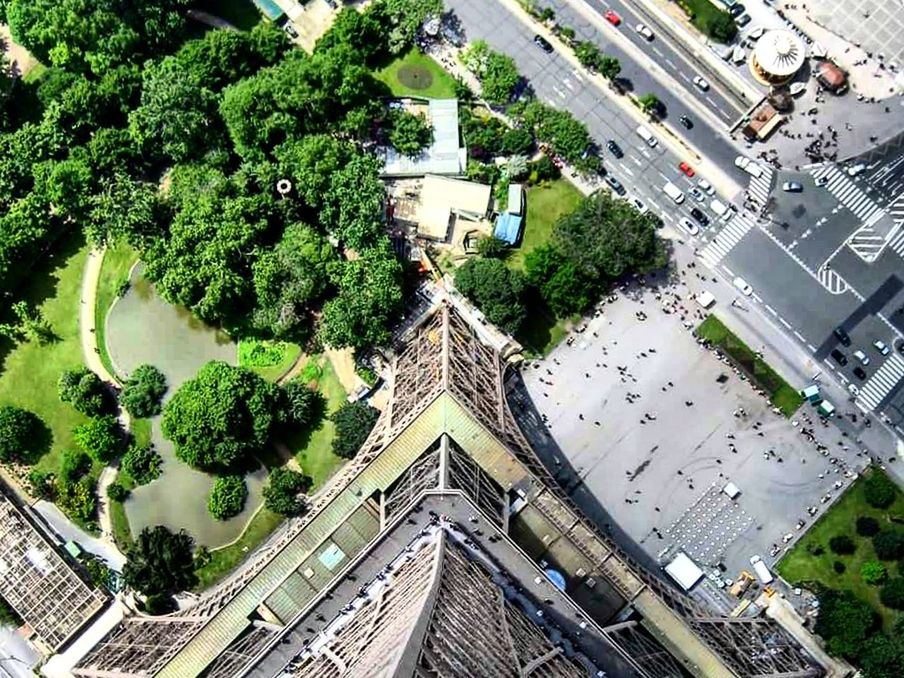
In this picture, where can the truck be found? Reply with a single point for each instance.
(762, 572)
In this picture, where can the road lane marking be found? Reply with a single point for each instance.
(628, 170)
(770, 309)
(785, 323)
(800, 336)
(728, 270)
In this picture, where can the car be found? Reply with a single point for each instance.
(612, 17)
(615, 149)
(697, 214)
(686, 122)
(862, 357)
(854, 389)
(615, 185)
(754, 560)
(742, 20)
(701, 84)
(689, 225)
(792, 187)
(290, 29)
(881, 346)
(697, 194)
(644, 30)
(860, 373)
(842, 336)
(854, 170)
(839, 357)
(687, 169)
(706, 187)
(638, 204)
(743, 286)
(543, 44)
(737, 10)
(822, 181)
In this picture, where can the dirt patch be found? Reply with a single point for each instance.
(20, 59)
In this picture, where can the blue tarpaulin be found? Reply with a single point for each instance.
(508, 228)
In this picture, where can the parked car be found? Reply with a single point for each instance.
(615, 185)
(686, 122)
(543, 44)
(644, 30)
(689, 225)
(701, 84)
(615, 149)
(842, 336)
(860, 373)
(742, 20)
(792, 187)
(743, 286)
(698, 214)
(822, 181)
(697, 194)
(881, 346)
(687, 169)
(839, 357)
(638, 204)
(612, 17)
(737, 10)
(862, 357)
(290, 29)
(706, 187)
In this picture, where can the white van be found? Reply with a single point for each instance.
(647, 136)
(763, 573)
(721, 210)
(673, 192)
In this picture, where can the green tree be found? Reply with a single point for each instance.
(516, 141)
(310, 162)
(491, 247)
(66, 185)
(873, 572)
(142, 463)
(609, 67)
(842, 544)
(496, 289)
(160, 562)
(302, 405)
(368, 301)
(867, 526)
(568, 136)
(607, 238)
(878, 490)
(30, 324)
(499, 78)
(100, 437)
(78, 500)
(223, 417)
(285, 492)
(117, 492)
(722, 27)
(8, 616)
(359, 30)
(41, 484)
(889, 544)
(403, 18)
(143, 392)
(20, 433)
(227, 497)
(588, 54)
(892, 594)
(560, 282)
(124, 210)
(354, 422)
(882, 657)
(353, 203)
(409, 133)
(85, 391)
(844, 621)
(75, 465)
(649, 103)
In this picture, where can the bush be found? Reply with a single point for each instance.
(227, 497)
(889, 544)
(160, 562)
(142, 463)
(892, 594)
(117, 492)
(410, 134)
(99, 437)
(873, 572)
(41, 484)
(19, 434)
(878, 490)
(302, 406)
(491, 247)
(74, 466)
(354, 422)
(78, 500)
(495, 289)
(867, 526)
(143, 391)
(839, 567)
(842, 545)
(85, 391)
(284, 493)
(544, 168)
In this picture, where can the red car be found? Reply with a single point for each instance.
(687, 169)
(612, 17)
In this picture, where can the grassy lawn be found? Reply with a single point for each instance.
(114, 271)
(702, 13)
(240, 13)
(269, 359)
(30, 371)
(781, 394)
(417, 75)
(800, 566)
(122, 534)
(545, 203)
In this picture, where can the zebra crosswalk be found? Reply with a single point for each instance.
(897, 241)
(727, 238)
(760, 187)
(883, 382)
(833, 282)
(847, 192)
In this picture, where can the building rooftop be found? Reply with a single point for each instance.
(444, 156)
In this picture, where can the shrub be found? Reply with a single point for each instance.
(284, 493)
(878, 490)
(545, 169)
(143, 391)
(867, 526)
(354, 422)
(85, 391)
(19, 433)
(142, 463)
(78, 499)
(491, 247)
(302, 406)
(873, 572)
(839, 567)
(117, 492)
(41, 484)
(842, 545)
(889, 544)
(75, 465)
(892, 594)
(227, 498)
(99, 437)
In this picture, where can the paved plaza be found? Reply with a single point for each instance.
(654, 425)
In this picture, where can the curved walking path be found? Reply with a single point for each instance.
(91, 355)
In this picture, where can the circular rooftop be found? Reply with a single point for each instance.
(779, 54)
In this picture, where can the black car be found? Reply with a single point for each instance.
(839, 357)
(615, 149)
(543, 44)
(737, 10)
(686, 122)
(699, 216)
(860, 373)
(842, 336)
(615, 184)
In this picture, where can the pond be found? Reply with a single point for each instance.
(143, 328)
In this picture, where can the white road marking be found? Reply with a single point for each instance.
(799, 336)
(811, 347)
(684, 77)
(628, 170)
(784, 322)
(728, 270)
(770, 309)
(671, 63)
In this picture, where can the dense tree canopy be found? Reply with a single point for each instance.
(86, 392)
(19, 434)
(227, 497)
(878, 490)
(889, 544)
(142, 463)
(496, 289)
(354, 422)
(284, 493)
(222, 417)
(561, 284)
(311, 161)
(302, 405)
(844, 622)
(353, 203)
(160, 562)
(100, 437)
(143, 390)
(410, 134)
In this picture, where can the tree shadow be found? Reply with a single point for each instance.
(41, 440)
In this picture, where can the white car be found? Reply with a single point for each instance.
(881, 346)
(644, 30)
(748, 165)
(862, 357)
(643, 209)
(697, 194)
(689, 225)
(743, 286)
(701, 84)
(854, 389)
(854, 170)
(706, 187)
